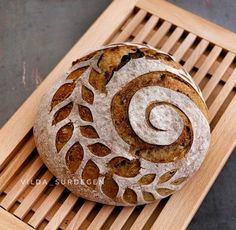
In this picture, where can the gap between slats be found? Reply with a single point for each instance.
(32, 197)
(224, 65)
(137, 19)
(184, 46)
(171, 41)
(147, 28)
(15, 164)
(141, 220)
(159, 34)
(61, 213)
(144, 216)
(45, 207)
(101, 217)
(122, 218)
(21, 185)
(81, 215)
(188, 41)
(219, 100)
(211, 58)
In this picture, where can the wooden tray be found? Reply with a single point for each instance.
(206, 50)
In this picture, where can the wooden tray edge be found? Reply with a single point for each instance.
(9, 221)
(195, 24)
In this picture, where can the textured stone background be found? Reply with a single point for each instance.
(36, 34)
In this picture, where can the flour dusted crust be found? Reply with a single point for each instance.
(126, 125)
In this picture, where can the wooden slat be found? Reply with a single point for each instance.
(206, 65)
(218, 74)
(222, 95)
(144, 216)
(81, 215)
(45, 207)
(104, 27)
(16, 163)
(183, 205)
(101, 217)
(188, 41)
(161, 32)
(174, 37)
(62, 212)
(148, 27)
(10, 222)
(122, 218)
(21, 185)
(190, 22)
(127, 31)
(196, 54)
(32, 197)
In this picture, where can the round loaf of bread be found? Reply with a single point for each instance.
(126, 125)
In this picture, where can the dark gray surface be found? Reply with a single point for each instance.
(35, 35)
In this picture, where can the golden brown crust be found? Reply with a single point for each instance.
(120, 118)
(84, 131)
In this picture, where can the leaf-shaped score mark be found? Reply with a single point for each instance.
(99, 149)
(167, 176)
(63, 135)
(179, 181)
(110, 187)
(90, 174)
(165, 191)
(85, 113)
(147, 196)
(130, 196)
(87, 94)
(74, 156)
(62, 93)
(76, 73)
(124, 167)
(147, 179)
(97, 80)
(62, 113)
(88, 131)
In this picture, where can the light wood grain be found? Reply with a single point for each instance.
(10, 222)
(188, 42)
(218, 74)
(142, 34)
(174, 37)
(185, 45)
(144, 216)
(206, 65)
(45, 207)
(21, 185)
(16, 163)
(81, 215)
(222, 95)
(196, 54)
(21, 122)
(156, 38)
(183, 205)
(190, 22)
(62, 212)
(32, 197)
(127, 31)
(100, 219)
(122, 218)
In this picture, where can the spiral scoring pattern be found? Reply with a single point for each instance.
(128, 121)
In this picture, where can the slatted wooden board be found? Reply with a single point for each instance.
(207, 51)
